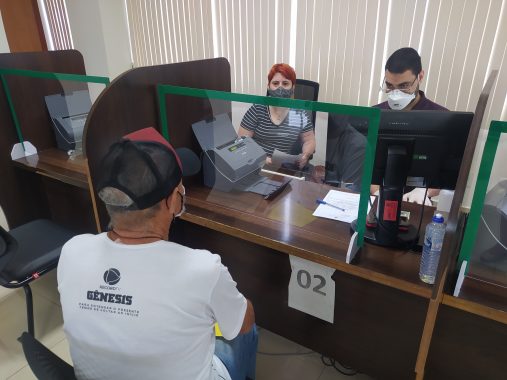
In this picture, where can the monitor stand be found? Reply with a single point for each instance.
(387, 232)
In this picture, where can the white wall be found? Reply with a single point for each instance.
(4, 45)
(99, 31)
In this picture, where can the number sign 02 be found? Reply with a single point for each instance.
(311, 288)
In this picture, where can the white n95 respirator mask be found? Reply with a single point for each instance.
(398, 100)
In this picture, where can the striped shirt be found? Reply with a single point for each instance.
(271, 136)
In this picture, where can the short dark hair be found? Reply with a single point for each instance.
(404, 59)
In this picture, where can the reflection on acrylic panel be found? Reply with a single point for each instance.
(345, 151)
(489, 256)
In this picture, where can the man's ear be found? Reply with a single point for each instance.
(421, 75)
(169, 199)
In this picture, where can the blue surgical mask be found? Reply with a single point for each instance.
(281, 92)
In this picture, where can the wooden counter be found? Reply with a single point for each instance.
(57, 164)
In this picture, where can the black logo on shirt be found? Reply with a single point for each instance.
(108, 297)
(112, 276)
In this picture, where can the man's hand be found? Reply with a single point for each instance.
(417, 196)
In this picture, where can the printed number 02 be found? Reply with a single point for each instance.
(308, 280)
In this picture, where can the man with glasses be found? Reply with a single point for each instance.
(402, 80)
(403, 76)
(138, 306)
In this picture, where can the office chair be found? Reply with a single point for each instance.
(44, 364)
(28, 252)
(307, 90)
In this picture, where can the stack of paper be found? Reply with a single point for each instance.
(340, 206)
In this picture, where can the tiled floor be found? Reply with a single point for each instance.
(299, 364)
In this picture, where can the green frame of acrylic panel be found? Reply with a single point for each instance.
(41, 75)
(372, 114)
(488, 157)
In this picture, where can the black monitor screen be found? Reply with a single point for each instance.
(434, 142)
(414, 149)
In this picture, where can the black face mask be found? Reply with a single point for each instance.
(281, 92)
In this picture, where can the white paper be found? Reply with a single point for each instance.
(347, 201)
(311, 288)
(278, 158)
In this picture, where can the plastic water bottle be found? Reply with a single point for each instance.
(433, 240)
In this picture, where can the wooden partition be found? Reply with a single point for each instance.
(24, 195)
(453, 235)
(130, 103)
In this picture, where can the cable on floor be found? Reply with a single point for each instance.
(329, 362)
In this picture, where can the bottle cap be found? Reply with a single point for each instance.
(438, 218)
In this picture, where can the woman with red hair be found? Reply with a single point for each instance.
(279, 127)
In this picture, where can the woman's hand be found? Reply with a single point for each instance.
(268, 160)
(302, 160)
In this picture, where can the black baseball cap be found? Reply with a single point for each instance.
(142, 169)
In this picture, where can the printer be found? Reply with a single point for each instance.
(226, 158)
(68, 113)
(231, 162)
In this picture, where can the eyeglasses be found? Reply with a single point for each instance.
(404, 87)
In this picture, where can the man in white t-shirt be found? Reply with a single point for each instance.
(137, 306)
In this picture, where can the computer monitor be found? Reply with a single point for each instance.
(414, 149)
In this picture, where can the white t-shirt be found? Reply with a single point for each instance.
(145, 311)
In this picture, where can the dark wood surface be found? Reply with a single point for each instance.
(22, 195)
(484, 293)
(130, 103)
(466, 346)
(376, 328)
(287, 225)
(55, 163)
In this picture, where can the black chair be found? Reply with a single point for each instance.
(44, 364)
(28, 252)
(307, 90)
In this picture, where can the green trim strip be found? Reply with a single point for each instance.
(13, 112)
(373, 115)
(488, 157)
(59, 76)
(43, 75)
